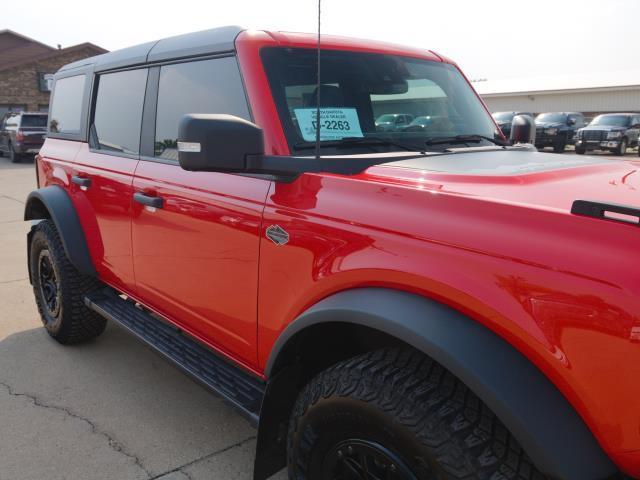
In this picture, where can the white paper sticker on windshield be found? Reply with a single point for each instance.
(335, 123)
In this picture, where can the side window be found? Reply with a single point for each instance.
(206, 86)
(117, 115)
(66, 111)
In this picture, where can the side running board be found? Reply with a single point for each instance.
(235, 386)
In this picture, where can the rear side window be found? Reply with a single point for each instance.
(118, 111)
(206, 86)
(34, 121)
(66, 110)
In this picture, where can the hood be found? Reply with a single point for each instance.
(605, 128)
(541, 180)
(550, 124)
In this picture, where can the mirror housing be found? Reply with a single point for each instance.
(523, 130)
(217, 143)
(571, 122)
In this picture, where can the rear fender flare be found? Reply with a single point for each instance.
(53, 202)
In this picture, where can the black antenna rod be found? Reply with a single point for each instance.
(318, 90)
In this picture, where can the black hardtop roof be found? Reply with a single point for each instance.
(215, 40)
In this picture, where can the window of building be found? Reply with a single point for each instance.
(206, 86)
(66, 112)
(118, 112)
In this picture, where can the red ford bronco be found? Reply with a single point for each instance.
(420, 303)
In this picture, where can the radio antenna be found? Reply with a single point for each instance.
(318, 90)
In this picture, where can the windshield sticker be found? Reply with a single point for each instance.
(335, 123)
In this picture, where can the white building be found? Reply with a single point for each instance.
(615, 91)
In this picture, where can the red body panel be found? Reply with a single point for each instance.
(104, 208)
(196, 259)
(563, 289)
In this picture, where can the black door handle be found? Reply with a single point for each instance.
(81, 181)
(147, 200)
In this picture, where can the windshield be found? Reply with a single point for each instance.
(360, 90)
(551, 117)
(34, 121)
(611, 120)
(504, 116)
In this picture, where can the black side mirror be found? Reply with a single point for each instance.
(571, 122)
(217, 143)
(523, 129)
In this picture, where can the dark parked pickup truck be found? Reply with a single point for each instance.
(557, 129)
(22, 134)
(614, 132)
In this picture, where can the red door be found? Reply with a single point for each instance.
(101, 189)
(196, 254)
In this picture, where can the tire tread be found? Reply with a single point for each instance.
(467, 440)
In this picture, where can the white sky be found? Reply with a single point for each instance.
(488, 38)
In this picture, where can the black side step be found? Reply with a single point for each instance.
(240, 389)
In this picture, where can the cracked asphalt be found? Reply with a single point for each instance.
(107, 409)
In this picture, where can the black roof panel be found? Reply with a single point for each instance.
(215, 40)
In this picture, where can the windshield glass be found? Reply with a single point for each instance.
(611, 120)
(504, 116)
(34, 121)
(551, 117)
(360, 90)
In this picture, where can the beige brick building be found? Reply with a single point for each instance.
(25, 65)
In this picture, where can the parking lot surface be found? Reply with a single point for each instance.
(107, 409)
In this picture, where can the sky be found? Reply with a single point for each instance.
(489, 39)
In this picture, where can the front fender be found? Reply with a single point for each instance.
(524, 399)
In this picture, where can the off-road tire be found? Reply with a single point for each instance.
(622, 148)
(70, 321)
(408, 403)
(560, 147)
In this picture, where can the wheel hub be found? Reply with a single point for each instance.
(356, 459)
(49, 283)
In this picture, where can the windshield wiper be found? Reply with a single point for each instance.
(357, 142)
(464, 139)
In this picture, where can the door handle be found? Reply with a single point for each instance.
(148, 200)
(83, 182)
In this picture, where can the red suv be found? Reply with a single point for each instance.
(412, 304)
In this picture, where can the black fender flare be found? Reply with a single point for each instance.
(544, 422)
(59, 207)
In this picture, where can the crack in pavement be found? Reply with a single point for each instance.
(13, 281)
(204, 457)
(14, 199)
(113, 443)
